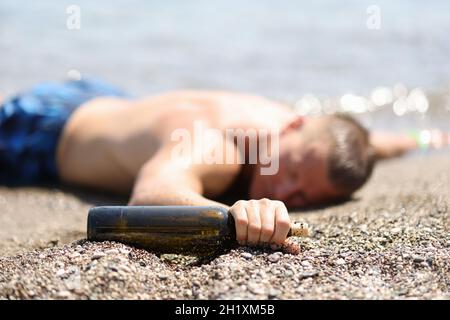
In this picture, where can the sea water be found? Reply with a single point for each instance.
(319, 56)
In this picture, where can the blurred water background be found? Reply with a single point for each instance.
(319, 56)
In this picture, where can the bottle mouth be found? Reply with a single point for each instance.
(300, 229)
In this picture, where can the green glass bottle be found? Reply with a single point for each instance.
(168, 229)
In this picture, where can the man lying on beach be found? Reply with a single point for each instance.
(90, 134)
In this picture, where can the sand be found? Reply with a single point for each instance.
(391, 242)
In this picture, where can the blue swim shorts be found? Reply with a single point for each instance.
(31, 123)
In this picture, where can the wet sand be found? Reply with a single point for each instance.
(392, 241)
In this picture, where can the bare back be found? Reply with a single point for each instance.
(107, 140)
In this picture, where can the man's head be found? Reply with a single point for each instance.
(320, 159)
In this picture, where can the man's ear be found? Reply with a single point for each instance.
(295, 124)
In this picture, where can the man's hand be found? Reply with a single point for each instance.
(260, 222)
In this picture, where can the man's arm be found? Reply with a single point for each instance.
(162, 182)
(389, 145)
(182, 189)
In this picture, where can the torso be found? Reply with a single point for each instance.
(107, 140)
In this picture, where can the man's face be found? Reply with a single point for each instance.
(302, 176)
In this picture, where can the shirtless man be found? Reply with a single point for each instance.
(88, 133)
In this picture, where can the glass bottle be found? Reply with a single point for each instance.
(168, 229)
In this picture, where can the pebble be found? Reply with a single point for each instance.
(308, 274)
(306, 264)
(122, 260)
(60, 272)
(275, 271)
(63, 294)
(98, 255)
(73, 283)
(396, 230)
(187, 292)
(359, 272)
(163, 277)
(274, 257)
(291, 246)
(74, 255)
(288, 273)
(256, 288)
(273, 293)
(333, 278)
(73, 269)
(125, 269)
(246, 255)
(299, 290)
(339, 262)
(418, 259)
(288, 266)
(448, 243)
(112, 251)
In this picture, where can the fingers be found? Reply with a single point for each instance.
(260, 222)
(254, 223)
(241, 221)
(267, 222)
(282, 225)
